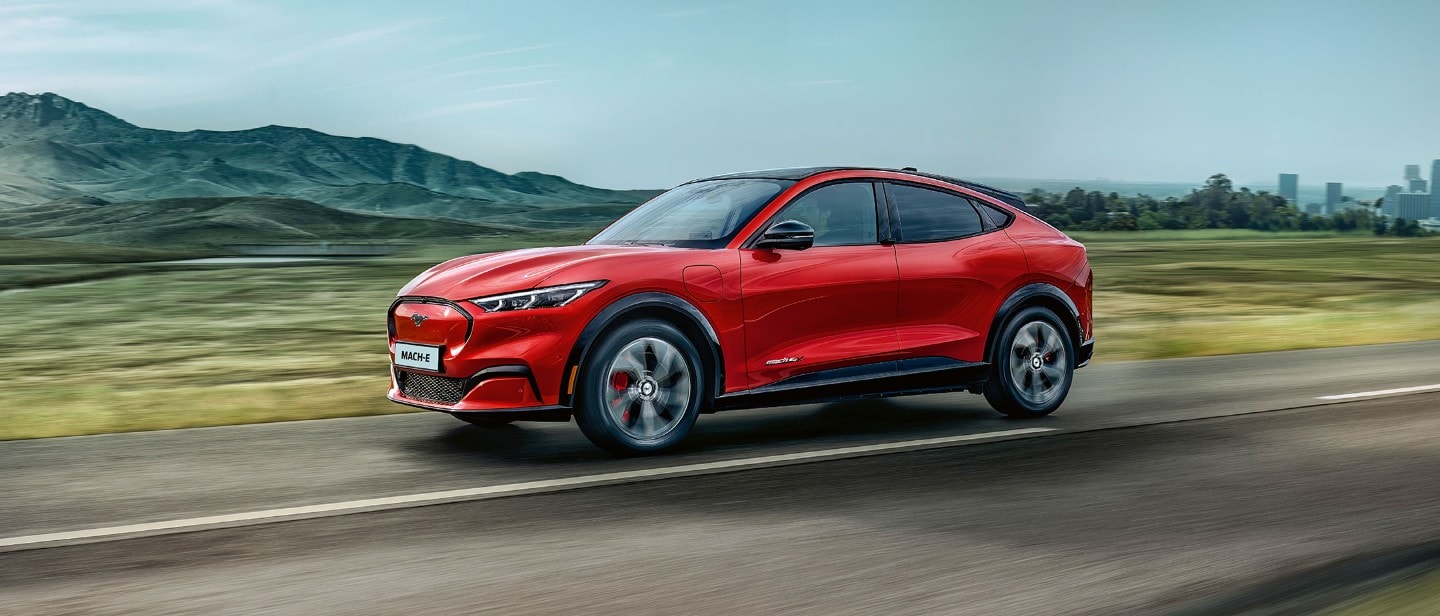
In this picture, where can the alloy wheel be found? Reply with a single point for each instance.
(648, 388)
(1038, 363)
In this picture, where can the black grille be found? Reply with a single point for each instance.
(442, 389)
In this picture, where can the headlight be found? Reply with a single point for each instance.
(548, 297)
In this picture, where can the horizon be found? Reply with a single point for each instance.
(1080, 183)
(631, 96)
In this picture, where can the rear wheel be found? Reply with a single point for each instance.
(640, 389)
(1033, 365)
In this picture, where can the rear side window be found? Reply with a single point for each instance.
(1000, 217)
(931, 215)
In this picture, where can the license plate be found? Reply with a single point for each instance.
(422, 356)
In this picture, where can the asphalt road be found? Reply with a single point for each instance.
(1161, 485)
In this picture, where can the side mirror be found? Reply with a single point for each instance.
(788, 235)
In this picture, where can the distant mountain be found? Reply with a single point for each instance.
(217, 221)
(52, 147)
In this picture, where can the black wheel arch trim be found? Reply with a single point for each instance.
(1026, 296)
(629, 304)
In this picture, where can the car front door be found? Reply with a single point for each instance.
(955, 268)
(832, 305)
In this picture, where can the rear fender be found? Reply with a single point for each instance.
(1035, 294)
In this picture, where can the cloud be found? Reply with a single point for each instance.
(516, 85)
(655, 60)
(492, 53)
(392, 80)
(821, 82)
(341, 41)
(54, 34)
(467, 107)
(696, 11)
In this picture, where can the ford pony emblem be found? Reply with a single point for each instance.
(417, 319)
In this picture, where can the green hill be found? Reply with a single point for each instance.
(52, 147)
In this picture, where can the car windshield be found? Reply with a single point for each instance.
(704, 214)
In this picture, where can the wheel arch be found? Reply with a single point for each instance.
(657, 305)
(1040, 294)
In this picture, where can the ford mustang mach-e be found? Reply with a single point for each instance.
(754, 289)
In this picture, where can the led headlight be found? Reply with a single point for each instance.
(547, 297)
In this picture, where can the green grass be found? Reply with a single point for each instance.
(167, 347)
(1205, 296)
(19, 251)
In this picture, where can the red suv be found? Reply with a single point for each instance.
(754, 289)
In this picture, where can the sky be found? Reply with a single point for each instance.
(649, 94)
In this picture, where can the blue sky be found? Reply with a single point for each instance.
(648, 94)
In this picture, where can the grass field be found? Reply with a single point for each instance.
(177, 347)
(1181, 295)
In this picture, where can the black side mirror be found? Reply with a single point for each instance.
(787, 234)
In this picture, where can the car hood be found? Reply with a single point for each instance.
(515, 270)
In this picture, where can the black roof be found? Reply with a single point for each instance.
(800, 173)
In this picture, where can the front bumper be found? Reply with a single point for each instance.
(505, 362)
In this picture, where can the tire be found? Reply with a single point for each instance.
(640, 390)
(1033, 365)
(481, 419)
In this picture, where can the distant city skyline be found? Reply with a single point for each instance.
(1290, 187)
(643, 94)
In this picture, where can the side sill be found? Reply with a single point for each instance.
(930, 379)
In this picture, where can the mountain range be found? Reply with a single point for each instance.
(55, 153)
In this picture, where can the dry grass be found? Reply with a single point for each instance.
(176, 348)
(1174, 297)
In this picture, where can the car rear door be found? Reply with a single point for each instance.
(955, 269)
(830, 306)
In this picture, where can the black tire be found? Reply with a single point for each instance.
(1033, 365)
(640, 388)
(484, 420)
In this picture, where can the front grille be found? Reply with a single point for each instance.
(441, 389)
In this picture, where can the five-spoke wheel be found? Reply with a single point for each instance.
(640, 388)
(1033, 365)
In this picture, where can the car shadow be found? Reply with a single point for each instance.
(877, 419)
(766, 430)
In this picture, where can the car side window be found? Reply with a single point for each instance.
(930, 215)
(841, 214)
(999, 217)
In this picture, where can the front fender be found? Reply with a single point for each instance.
(652, 303)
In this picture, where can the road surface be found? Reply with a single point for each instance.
(1160, 486)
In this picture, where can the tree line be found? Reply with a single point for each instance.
(1216, 205)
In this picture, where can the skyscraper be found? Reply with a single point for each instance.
(1417, 185)
(1434, 190)
(1290, 186)
(1333, 192)
(1413, 206)
(1392, 201)
(1412, 172)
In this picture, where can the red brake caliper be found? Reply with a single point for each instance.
(621, 381)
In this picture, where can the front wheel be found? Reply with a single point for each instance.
(641, 387)
(1033, 365)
